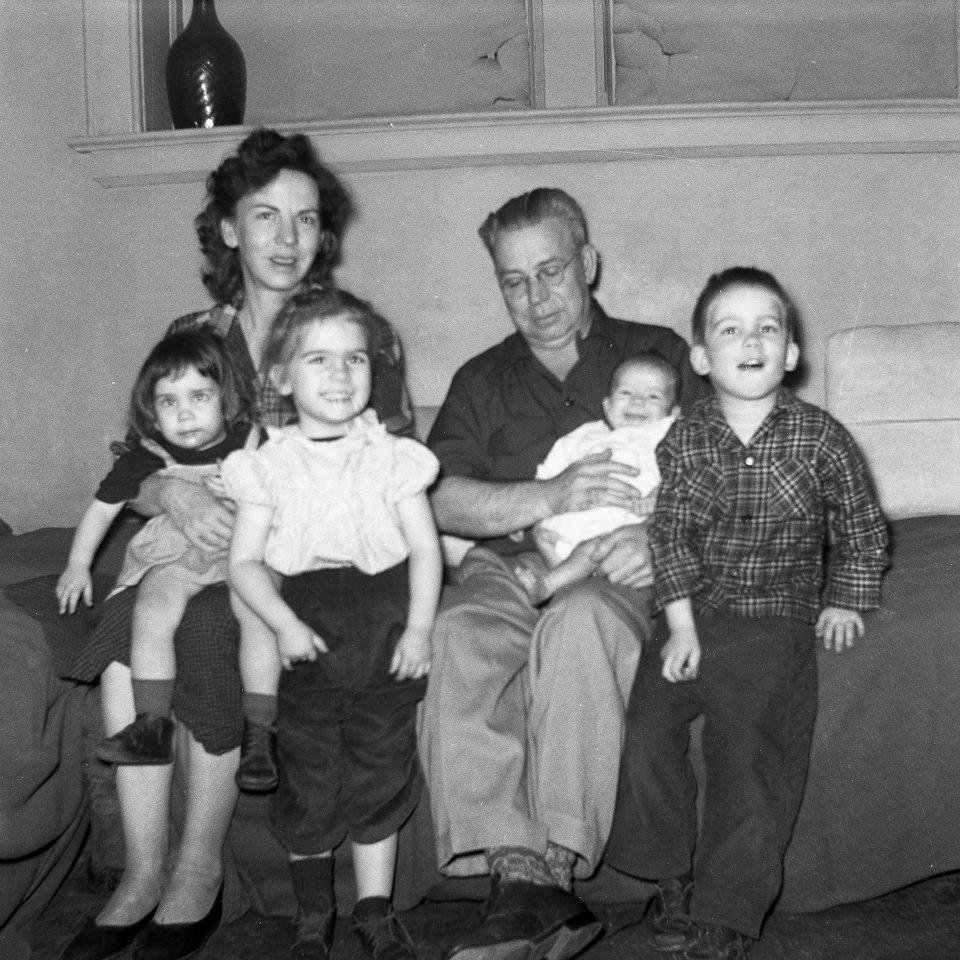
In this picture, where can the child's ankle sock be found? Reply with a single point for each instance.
(153, 696)
(370, 907)
(260, 708)
(313, 883)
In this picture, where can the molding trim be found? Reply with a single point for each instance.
(586, 135)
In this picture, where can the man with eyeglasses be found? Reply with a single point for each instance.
(523, 717)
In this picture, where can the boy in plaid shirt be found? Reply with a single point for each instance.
(755, 485)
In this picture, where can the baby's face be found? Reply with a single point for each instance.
(639, 395)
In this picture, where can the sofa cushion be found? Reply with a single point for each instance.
(895, 389)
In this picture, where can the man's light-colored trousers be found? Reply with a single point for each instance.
(523, 719)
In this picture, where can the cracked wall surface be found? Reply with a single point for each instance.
(356, 58)
(716, 51)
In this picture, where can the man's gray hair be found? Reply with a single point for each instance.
(531, 209)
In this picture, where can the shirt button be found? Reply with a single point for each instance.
(749, 461)
(568, 402)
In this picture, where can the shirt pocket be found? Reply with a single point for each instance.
(707, 495)
(515, 449)
(794, 493)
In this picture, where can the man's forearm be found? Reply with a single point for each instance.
(466, 507)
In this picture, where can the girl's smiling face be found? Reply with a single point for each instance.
(329, 376)
(747, 348)
(188, 409)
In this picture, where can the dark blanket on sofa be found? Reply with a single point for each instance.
(882, 805)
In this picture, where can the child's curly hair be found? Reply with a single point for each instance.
(258, 160)
(202, 349)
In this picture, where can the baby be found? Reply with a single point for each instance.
(639, 409)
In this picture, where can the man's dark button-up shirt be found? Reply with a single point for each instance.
(505, 410)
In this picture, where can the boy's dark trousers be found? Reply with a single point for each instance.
(757, 689)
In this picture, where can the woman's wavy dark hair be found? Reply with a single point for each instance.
(317, 303)
(261, 156)
(202, 349)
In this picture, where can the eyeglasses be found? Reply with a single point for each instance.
(515, 286)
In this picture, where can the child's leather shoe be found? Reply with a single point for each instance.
(148, 741)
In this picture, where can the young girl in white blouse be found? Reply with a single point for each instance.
(335, 548)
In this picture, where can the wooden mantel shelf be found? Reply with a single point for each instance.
(549, 136)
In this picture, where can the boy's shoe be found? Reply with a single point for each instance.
(669, 927)
(313, 937)
(257, 772)
(717, 942)
(380, 932)
(146, 742)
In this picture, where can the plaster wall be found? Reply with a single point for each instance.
(89, 277)
(717, 51)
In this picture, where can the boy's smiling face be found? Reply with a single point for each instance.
(747, 348)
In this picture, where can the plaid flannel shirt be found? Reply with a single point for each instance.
(745, 527)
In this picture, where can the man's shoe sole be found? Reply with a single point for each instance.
(573, 935)
(504, 950)
(565, 941)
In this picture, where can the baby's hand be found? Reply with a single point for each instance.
(74, 583)
(681, 657)
(297, 643)
(838, 628)
(411, 659)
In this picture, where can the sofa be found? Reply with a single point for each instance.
(882, 804)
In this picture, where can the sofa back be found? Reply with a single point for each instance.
(897, 389)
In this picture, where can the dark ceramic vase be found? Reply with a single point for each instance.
(206, 73)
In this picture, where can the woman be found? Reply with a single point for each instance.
(273, 221)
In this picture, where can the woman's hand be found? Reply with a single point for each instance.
(205, 520)
(75, 582)
(296, 642)
(411, 659)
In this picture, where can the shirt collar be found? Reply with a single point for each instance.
(785, 405)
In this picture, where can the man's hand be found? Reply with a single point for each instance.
(623, 555)
(839, 628)
(594, 481)
(205, 520)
